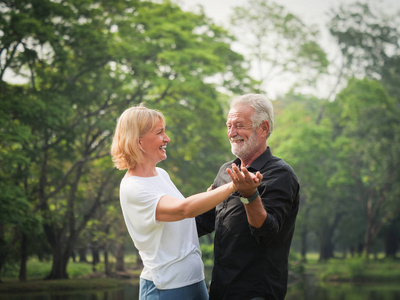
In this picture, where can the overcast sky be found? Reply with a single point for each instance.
(310, 11)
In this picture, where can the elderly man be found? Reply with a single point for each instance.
(253, 230)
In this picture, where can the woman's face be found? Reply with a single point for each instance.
(154, 143)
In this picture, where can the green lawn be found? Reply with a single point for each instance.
(354, 269)
(339, 269)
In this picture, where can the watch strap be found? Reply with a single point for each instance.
(253, 197)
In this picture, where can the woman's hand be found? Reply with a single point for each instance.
(245, 182)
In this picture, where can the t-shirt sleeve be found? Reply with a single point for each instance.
(139, 202)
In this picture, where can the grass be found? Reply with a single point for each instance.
(352, 270)
(40, 269)
(355, 270)
(79, 277)
(32, 286)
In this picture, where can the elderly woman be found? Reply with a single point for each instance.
(159, 219)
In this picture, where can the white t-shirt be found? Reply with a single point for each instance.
(170, 251)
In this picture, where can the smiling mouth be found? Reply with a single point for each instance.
(236, 141)
(163, 148)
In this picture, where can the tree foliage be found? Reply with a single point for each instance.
(87, 61)
(367, 124)
(278, 43)
(82, 62)
(367, 40)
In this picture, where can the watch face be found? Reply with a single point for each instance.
(244, 200)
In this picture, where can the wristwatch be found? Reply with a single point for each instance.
(249, 199)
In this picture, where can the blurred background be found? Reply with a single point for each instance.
(69, 68)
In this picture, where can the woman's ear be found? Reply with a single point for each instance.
(140, 145)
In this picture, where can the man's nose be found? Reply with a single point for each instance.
(232, 131)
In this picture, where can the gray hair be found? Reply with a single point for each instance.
(263, 109)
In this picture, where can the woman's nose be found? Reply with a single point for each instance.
(166, 138)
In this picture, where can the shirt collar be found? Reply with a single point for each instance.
(259, 162)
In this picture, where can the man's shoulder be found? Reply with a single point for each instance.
(285, 172)
(222, 176)
(278, 163)
(226, 164)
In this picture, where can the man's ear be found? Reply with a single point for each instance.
(265, 127)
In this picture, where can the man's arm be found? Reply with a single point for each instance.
(256, 213)
(205, 223)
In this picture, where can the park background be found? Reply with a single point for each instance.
(68, 68)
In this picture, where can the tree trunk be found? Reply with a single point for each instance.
(352, 251)
(391, 241)
(64, 241)
(82, 255)
(120, 264)
(107, 267)
(24, 258)
(374, 224)
(303, 235)
(95, 257)
(368, 239)
(325, 248)
(360, 249)
(60, 261)
(73, 256)
(59, 267)
(303, 246)
(3, 251)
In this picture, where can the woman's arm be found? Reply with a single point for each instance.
(170, 209)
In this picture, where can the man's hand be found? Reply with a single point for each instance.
(245, 182)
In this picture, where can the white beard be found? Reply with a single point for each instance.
(247, 148)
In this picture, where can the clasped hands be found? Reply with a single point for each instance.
(245, 182)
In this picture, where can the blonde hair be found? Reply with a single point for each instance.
(133, 123)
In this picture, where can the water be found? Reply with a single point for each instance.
(128, 292)
(305, 289)
(345, 291)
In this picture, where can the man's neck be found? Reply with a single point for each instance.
(245, 162)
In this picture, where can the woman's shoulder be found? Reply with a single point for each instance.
(162, 172)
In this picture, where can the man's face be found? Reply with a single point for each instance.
(243, 137)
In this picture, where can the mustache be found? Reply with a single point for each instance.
(236, 138)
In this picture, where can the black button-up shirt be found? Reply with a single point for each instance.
(249, 261)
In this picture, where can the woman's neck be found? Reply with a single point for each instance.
(142, 171)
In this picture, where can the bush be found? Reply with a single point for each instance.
(40, 269)
(207, 254)
(357, 268)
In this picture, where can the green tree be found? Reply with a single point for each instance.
(366, 128)
(390, 80)
(304, 141)
(87, 61)
(367, 40)
(278, 43)
(369, 43)
(16, 220)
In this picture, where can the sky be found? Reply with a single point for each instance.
(310, 9)
(312, 12)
